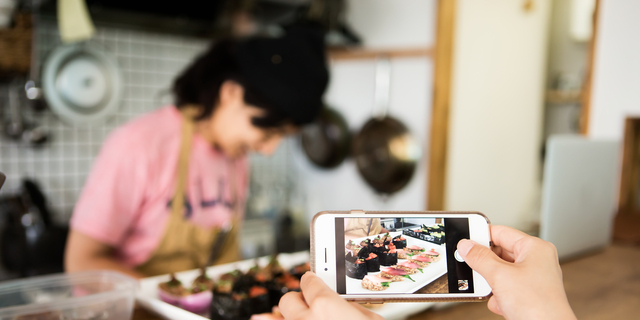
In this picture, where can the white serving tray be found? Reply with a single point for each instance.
(430, 273)
(148, 298)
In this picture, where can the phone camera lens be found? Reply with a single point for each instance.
(325, 269)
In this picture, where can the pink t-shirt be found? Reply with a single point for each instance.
(125, 200)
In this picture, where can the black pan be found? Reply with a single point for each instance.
(384, 150)
(326, 141)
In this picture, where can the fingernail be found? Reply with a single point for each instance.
(464, 246)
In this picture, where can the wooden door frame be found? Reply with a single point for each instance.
(626, 227)
(437, 161)
(585, 108)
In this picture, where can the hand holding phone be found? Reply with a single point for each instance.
(317, 301)
(523, 272)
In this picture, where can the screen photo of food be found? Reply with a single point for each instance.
(401, 255)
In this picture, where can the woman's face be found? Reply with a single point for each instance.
(230, 129)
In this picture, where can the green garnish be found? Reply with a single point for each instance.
(385, 284)
(420, 270)
(409, 277)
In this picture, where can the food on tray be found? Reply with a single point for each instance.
(364, 251)
(355, 267)
(377, 245)
(239, 295)
(399, 241)
(409, 267)
(372, 262)
(402, 254)
(431, 252)
(421, 260)
(173, 287)
(353, 247)
(236, 294)
(433, 234)
(390, 256)
(259, 298)
(196, 300)
(301, 269)
(413, 249)
(395, 274)
(375, 283)
(202, 282)
(386, 239)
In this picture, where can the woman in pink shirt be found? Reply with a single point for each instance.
(167, 190)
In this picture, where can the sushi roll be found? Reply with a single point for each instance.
(202, 282)
(386, 239)
(389, 257)
(259, 300)
(363, 252)
(372, 262)
(173, 286)
(377, 246)
(299, 270)
(224, 306)
(274, 266)
(356, 268)
(375, 283)
(399, 241)
(353, 247)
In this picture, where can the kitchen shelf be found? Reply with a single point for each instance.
(367, 53)
(563, 96)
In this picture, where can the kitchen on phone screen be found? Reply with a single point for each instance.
(369, 255)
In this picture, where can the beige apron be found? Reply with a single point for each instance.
(184, 245)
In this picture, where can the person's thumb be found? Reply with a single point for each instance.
(479, 258)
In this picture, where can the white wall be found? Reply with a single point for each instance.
(397, 23)
(496, 110)
(616, 75)
(381, 23)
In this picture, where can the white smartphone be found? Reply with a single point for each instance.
(394, 256)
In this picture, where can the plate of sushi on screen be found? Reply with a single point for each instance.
(393, 262)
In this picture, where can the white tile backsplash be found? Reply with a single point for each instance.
(149, 62)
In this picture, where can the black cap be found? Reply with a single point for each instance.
(289, 72)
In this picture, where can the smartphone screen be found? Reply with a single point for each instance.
(395, 254)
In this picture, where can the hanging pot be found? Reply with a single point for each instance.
(385, 152)
(326, 141)
(82, 83)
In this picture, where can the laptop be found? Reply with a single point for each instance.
(579, 192)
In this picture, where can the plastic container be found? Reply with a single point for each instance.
(83, 295)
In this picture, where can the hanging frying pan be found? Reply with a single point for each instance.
(326, 141)
(384, 150)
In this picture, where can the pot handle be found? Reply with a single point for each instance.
(382, 87)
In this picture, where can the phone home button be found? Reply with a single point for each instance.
(458, 257)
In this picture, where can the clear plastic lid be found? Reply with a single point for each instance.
(82, 295)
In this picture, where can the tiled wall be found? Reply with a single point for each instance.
(149, 62)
